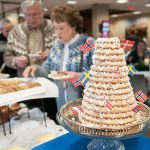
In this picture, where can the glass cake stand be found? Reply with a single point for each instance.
(103, 138)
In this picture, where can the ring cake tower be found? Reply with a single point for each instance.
(108, 99)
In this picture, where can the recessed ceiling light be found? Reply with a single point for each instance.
(21, 15)
(136, 12)
(122, 1)
(115, 15)
(147, 5)
(71, 2)
(45, 9)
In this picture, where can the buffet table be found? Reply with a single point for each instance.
(47, 89)
(71, 141)
(145, 73)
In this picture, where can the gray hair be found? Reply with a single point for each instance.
(29, 3)
(3, 22)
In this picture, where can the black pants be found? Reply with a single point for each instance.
(49, 106)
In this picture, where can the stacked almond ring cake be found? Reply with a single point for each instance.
(108, 97)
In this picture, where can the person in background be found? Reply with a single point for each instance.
(5, 27)
(30, 41)
(65, 54)
(138, 56)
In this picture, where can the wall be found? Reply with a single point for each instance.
(118, 25)
(13, 17)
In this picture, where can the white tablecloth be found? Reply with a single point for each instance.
(145, 73)
(48, 89)
(147, 76)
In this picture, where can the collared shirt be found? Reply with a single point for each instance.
(66, 50)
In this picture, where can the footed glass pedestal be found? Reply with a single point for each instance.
(102, 139)
(105, 144)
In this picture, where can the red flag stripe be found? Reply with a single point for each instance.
(127, 44)
(108, 105)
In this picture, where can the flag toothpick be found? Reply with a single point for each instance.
(89, 44)
(127, 44)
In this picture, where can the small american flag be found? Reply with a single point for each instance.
(140, 96)
(132, 70)
(108, 105)
(89, 44)
(136, 108)
(76, 110)
(76, 82)
(127, 44)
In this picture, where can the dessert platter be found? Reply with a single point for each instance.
(13, 85)
(59, 75)
(109, 110)
(14, 90)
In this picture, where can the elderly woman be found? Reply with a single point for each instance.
(65, 54)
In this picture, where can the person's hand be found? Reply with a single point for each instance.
(72, 74)
(42, 56)
(21, 61)
(30, 70)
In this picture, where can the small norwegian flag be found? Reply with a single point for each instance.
(108, 105)
(140, 96)
(76, 110)
(89, 44)
(136, 108)
(127, 44)
(132, 70)
(76, 82)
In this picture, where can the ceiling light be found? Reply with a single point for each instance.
(21, 15)
(136, 12)
(122, 1)
(71, 2)
(45, 9)
(147, 5)
(115, 15)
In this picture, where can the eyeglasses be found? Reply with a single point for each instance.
(33, 15)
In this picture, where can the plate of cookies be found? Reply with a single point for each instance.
(59, 75)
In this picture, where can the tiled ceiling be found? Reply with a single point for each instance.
(137, 5)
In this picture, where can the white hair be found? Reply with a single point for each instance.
(3, 22)
(29, 3)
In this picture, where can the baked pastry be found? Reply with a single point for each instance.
(108, 97)
(13, 85)
(8, 112)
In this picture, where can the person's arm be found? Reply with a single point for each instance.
(45, 69)
(12, 58)
(9, 58)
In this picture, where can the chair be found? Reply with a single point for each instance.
(139, 82)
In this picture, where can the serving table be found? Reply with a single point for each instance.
(72, 141)
(47, 89)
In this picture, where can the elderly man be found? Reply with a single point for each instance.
(30, 41)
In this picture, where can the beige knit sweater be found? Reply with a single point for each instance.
(25, 41)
